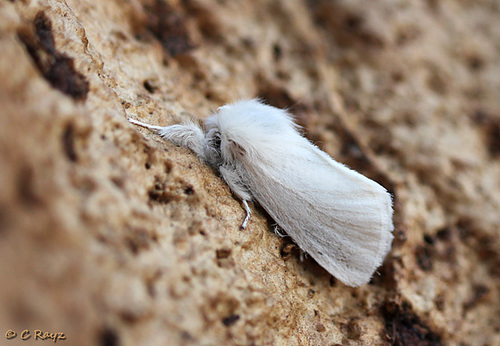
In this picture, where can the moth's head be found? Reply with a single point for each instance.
(222, 147)
(248, 128)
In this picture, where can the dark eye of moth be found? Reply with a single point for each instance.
(216, 141)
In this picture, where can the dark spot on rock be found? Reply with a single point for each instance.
(320, 328)
(26, 187)
(230, 320)
(129, 317)
(275, 95)
(150, 86)
(475, 63)
(490, 126)
(150, 283)
(248, 42)
(68, 142)
(424, 258)
(429, 239)
(385, 276)
(382, 143)
(465, 228)
(444, 234)
(399, 233)
(56, 67)
(344, 27)
(150, 289)
(224, 259)
(352, 330)
(437, 81)
(397, 76)
(159, 192)
(108, 337)
(433, 4)
(404, 327)
(189, 190)
(440, 302)
(483, 244)
(185, 335)
(223, 253)
(147, 165)
(138, 240)
(206, 20)
(478, 295)
(352, 152)
(352, 22)
(277, 52)
(168, 167)
(5, 220)
(168, 26)
(211, 95)
(406, 35)
(118, 182)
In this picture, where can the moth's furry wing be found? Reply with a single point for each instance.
(338, 216)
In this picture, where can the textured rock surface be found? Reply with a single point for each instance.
(112, 236)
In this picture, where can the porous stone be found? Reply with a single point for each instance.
(112, 236)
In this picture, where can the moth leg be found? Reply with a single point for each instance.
(233, 180)
(247, 217)
(279, 231)
(303, 255)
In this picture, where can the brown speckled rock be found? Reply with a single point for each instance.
(112, 236)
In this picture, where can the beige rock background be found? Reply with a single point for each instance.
(115, 237)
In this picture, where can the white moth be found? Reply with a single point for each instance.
(338, 216)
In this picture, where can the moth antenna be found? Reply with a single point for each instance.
(140, 123)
